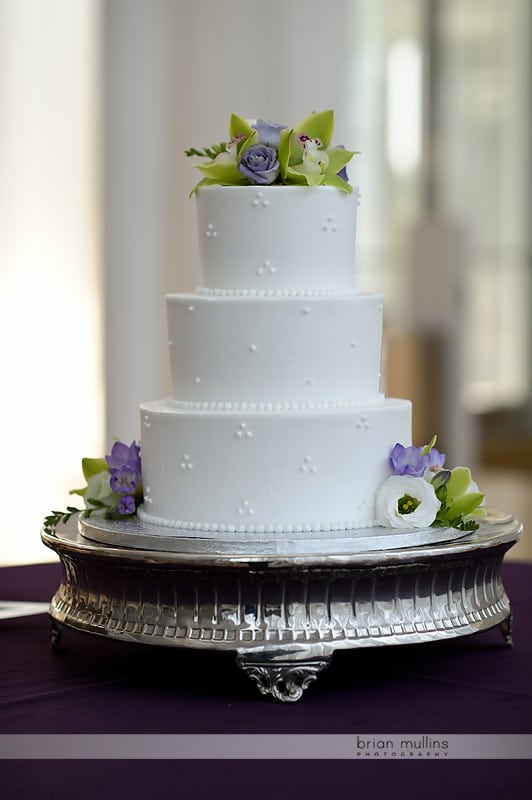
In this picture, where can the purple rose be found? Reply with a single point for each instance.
(259, 164)
(269, 132)
(409, 461)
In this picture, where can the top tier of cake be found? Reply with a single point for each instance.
(277, 240)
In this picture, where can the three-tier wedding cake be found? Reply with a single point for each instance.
(277, 422)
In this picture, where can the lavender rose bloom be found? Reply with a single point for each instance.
(259, 164)
(269, 132)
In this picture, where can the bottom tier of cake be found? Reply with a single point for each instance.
(264, 471)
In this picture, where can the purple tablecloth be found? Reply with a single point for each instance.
(94, 685)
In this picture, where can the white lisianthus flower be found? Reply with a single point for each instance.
(406, 502)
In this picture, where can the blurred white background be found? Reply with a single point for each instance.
(98, 101)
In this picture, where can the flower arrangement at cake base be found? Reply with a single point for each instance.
(114, 486)
(420, 494)
(423, 494)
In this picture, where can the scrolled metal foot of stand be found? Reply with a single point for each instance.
(284, 680)
(506, 627)
(57, 634)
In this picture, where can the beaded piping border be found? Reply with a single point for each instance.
(208, 292)
(221, 528)
(318, 405)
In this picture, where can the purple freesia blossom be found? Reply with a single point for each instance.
(437, 460)
(124, 480)
(126, 505)
(259, 164)
(269, 132)
(409, 461)
(123, 456)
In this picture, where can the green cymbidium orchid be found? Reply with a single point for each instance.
(460, 500)
(304, 154)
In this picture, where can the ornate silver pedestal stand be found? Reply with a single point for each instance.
(284, 606)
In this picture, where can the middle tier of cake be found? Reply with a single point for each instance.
(299, 351)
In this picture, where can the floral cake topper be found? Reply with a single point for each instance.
(265, 153)
(423, 494)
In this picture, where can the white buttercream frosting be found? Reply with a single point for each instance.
(276, 237)
(277, 423)
(276, 468)
(305, 350)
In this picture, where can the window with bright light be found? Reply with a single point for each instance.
(51, 398)
(480, 91)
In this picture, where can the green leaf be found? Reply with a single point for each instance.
(295, 155)
(428, 447)
(294, 177)
(283, 151)
(338, 183)
(311, 179)
(239, 125)
(466, 504)
(224, 173)
(319, 125)
(338, 158)
(208, 152)
(80, 492)
(251, 138)
(202, 182)
(92, 466)
(469, 525)
(458, 483)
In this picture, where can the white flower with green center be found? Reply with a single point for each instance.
(405, 502)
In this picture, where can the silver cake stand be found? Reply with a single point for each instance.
(283, 605)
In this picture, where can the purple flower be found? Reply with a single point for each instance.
(259, 164)
(409, 461)
(126, 505)
(437, 460)
(269, 132)
(124, 480)
(123, 456)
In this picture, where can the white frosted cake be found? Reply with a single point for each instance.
(277, 423)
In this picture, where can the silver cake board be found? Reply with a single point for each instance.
(282, 605)
(134, 533)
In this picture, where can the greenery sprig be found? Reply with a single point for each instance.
(208, 152)
(55, 517)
